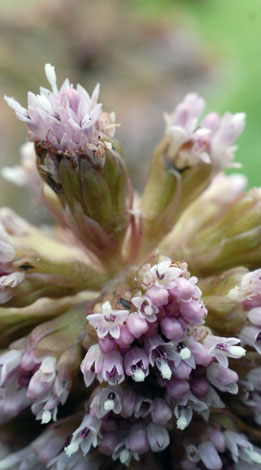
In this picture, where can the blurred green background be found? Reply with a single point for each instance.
(147, 54)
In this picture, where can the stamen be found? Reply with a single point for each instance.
(46, 417)
(165, 370)
(139, 375)
(109, 405)
(124, 456)
(185, 353)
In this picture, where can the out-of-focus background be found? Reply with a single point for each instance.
(146, 54)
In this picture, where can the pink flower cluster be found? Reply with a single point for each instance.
(9, 276)
(216, 446)
(67, 119)
(248, 295)
(26, 382)
(209, 141)
(159, 339)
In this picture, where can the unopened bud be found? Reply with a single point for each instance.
(191, 153)
(233, 239)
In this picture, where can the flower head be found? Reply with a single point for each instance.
(105, 313)
(209, 141)
(66, 119)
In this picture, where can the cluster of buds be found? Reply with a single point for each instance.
(130, 332)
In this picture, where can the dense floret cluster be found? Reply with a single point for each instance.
(131, 328)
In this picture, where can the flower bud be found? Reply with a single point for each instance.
(137, 325)
(217, 438)
(184, 163)
(37, 265)
(233, 239)
(171, 328)
(200, 386)
(209, 456)
(161, 413)
(177, 387)
(108, 443)
(15, 321)
(107, 344)
(55, 337)
(158, 437)
(94, 198)
(79, 159)
(210, 205)
(221, 294)
(222, 378)
(168, 191)
(129, 399)
(137, 440)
